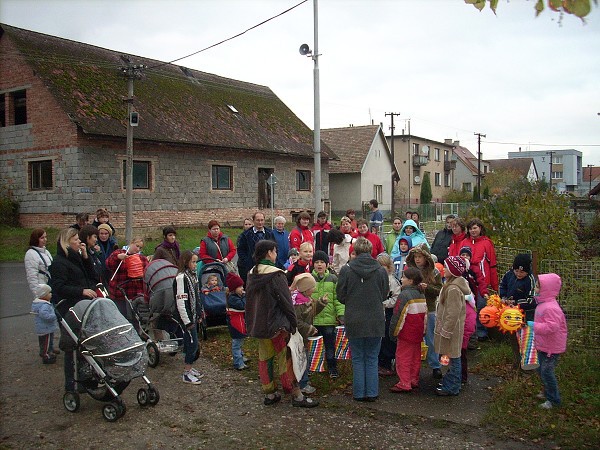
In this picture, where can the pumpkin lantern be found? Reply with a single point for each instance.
(511, 319)
(488, 316)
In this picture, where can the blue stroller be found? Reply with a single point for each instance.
(213, 302)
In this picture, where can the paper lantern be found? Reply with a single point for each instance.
(488, 316)
(511, 319)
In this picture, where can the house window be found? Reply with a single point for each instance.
(302, 180)
(415, 149)
(446, 155)
(222, 177)
(557, 159)
(19, 101)
(438, 179)
(557, 175)
(141, 174)
(447, 180)
(40, 175)
(436, 152)
(467, 187)
(2, 111)
(378, 192)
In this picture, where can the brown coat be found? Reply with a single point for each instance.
(450, 319)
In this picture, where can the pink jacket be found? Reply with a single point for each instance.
(470, 323)
(550, 324)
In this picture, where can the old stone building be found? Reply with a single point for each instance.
(204, 147)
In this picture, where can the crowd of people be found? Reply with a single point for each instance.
(392, 293)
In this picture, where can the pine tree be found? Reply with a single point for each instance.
(426, 195)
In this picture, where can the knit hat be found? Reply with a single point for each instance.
(168, 230)
(43, 290)
(105, 227)
(303, 282)
(522, 261)
(233, 281)
(320, 255)
(293, 252)
(467, 250)
(456, 265)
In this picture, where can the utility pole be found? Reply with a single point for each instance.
(393, 161)
(131, 72)
(479, 136)
(590, 175)
(551, 153)
(409, 163)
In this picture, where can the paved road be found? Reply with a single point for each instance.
(15, 296)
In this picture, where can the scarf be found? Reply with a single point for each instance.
(267, 262)
(192, 281)
(174, 246)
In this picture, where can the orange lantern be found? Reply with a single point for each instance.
(495, 300)
(488, 316)
(511, 319)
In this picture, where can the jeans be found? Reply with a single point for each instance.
(481, 302)
(304, 380)
(190, 345)
(546, 371)
(365, 378)
(433, 359)
(328, 333)
(451, 381)
(236, 351)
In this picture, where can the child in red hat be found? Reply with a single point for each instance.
(236, 318)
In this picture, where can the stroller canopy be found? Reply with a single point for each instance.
(158, 285)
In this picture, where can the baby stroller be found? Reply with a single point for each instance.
(155, 311)
(214, 302)
(108, 354)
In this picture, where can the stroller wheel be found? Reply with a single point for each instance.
(143, 397)
(153, 396)
(153, 354)
(71, 401)
(112, 411)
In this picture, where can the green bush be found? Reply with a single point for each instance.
(9, 208)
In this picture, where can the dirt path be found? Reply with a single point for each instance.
(226, 411)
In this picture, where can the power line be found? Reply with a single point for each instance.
(232, 37)
(543, 145)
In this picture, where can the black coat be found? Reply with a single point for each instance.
(71, 274)
(440, 244)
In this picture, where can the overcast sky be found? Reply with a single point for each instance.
(447, 67)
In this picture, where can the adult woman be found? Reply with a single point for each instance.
(37, 261)
(376, 244)
(362, 286)
(458, 235)
(72, 280)
(483, 264)
(270, 318)
(216, 246)
(410, 228)
(347, 228)
(89, 235)
(450, 322)
(301, 233)
(169, 248)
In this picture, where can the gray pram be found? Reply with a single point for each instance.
(108, 355)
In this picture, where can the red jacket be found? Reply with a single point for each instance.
(483, 262)
(375, 240)
(220, 249)
(299, 235)
(454, 247)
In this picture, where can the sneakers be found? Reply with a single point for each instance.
(546, 405)
(242, 367)
(308, 389)
(333, 373)
(196, 373)
(188, 377)
(246, 360)
(305, 403)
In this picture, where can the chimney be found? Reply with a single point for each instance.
(448, 141)
(456, 143)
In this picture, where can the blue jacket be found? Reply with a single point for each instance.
(521, 291)
(45, 317)
(283, 247)
(417, 237)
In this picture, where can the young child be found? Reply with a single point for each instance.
(45, 323)
(211, 285)
(332, 314)
(293, 256)
(306, 309)
(404, 245)
(188, 312)
(103, 217)
(304, 263)
(388, 347)
(408, 327)
(550, 335)
(236, 320)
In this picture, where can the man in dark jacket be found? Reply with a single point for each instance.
(247, 242)
(442, 240)
(362, 286)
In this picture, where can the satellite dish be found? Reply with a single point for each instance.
(305, 49)
(417, 179)
(425, 149)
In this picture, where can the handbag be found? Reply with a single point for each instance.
(298, 352)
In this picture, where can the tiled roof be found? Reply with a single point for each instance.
(520, 165)
(175, 104)
(466, 157)
(351, 145)
(595, 173)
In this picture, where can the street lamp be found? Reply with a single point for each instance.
(305, 50)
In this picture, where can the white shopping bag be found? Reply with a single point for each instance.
(296, 345)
